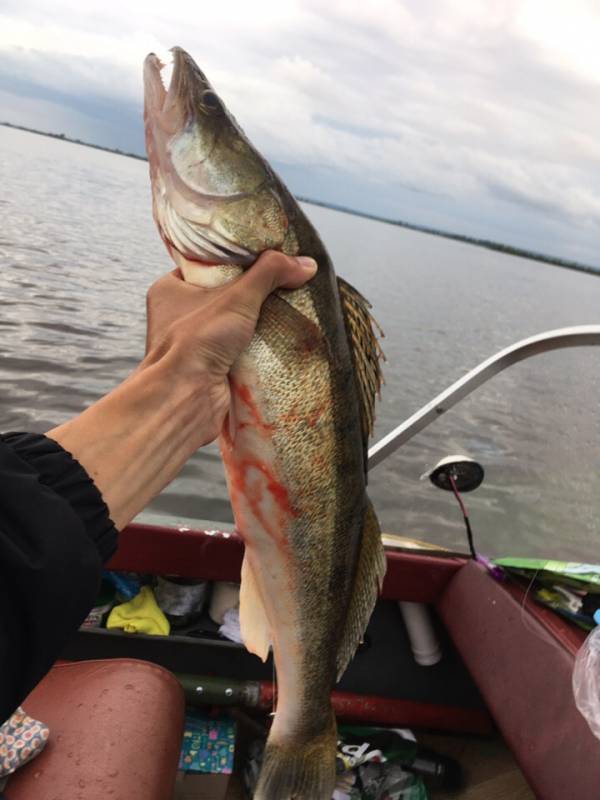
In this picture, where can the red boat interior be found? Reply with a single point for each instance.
(506, 667)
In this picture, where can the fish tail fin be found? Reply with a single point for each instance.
(300, 770)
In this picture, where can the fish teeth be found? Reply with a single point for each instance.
(166, 67)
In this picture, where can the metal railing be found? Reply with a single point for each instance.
(578, 336)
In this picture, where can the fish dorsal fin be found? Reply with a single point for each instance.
(368, 579)
(254, 625)
(367, 354)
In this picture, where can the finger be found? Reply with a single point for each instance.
(294, 278)
(272, 270)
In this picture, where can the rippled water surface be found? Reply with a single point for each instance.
(78, 250)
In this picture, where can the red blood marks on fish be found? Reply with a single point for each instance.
(279, 493)
(254, 495)
(226, 435)
(315, 415)
(311, 417)
(253, 484)
(243, 392)
(311, 343)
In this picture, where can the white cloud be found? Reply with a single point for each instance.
(490, 105)
(565, 32)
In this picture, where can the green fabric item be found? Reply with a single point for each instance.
(584, 576)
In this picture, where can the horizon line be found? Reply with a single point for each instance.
(507, 249)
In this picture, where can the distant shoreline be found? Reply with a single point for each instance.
(486, 243)
(64, 138)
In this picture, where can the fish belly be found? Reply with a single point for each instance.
(274, 447)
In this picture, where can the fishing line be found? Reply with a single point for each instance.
(536, 628)
(274, 681)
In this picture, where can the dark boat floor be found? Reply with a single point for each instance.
(491, 772)
(490, 769)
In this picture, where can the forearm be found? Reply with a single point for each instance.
(135, 440)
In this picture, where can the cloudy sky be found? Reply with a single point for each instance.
(475, 116)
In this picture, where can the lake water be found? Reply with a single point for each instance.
(78, 250)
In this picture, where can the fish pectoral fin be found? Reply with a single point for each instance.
(255, 628)
(367, 354)
(368, 579)
(287, 323)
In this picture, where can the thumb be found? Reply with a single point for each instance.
(272, 270)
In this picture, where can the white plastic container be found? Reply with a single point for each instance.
(225, 595)
(423, 641)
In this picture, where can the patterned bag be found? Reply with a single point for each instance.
(21, 739)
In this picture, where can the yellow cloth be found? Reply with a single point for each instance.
(140, 615)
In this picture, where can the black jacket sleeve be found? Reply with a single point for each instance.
(55, 534)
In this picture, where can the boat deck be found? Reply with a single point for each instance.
(490, 770)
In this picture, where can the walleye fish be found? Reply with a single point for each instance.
(302, 404)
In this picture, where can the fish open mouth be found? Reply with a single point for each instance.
(173, 84)
(215, 201)
(183, 213)
(167, 68)
(162, 76)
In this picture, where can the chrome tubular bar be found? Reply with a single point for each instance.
(578, 336)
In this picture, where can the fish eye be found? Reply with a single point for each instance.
(211, 101)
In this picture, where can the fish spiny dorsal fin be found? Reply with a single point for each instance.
(368, 579)
(367, 354)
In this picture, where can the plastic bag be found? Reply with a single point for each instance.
(586, 681)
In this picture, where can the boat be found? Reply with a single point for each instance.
(115, 703)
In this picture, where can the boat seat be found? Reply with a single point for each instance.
(115, 732)
(521, 657)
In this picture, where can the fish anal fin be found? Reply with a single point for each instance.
(366, 351)
(370, 570)
(255, 628)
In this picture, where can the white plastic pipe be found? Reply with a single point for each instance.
(423, 641)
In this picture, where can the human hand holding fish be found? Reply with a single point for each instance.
(134, 441)
(202, 331)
